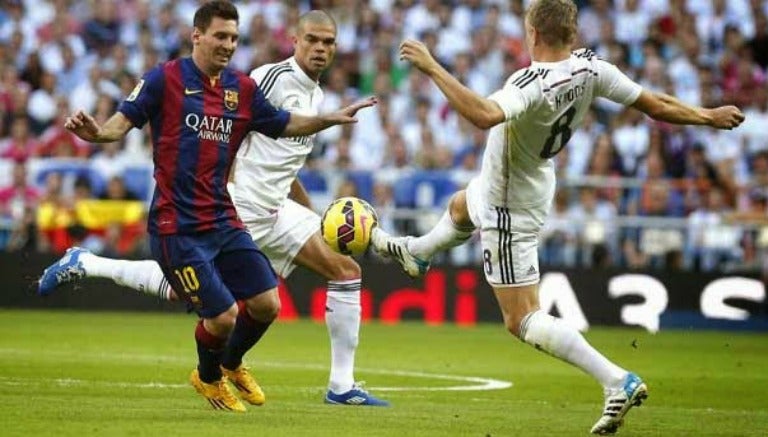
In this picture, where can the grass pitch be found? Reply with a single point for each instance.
(74, 373)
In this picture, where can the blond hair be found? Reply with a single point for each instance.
(554, 21)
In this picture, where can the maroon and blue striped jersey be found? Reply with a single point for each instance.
(197, 126)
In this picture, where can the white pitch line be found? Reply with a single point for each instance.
(476, 383)
(69, 382)
(479, 382)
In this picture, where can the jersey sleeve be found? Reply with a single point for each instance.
(516, 96)
(266, 118)
(615, 85)
(144, 100)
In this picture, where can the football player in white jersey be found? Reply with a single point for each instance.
(276, 210)
(531, 119)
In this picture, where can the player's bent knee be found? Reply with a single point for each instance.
(343, 268)
(349, 269)
(222, 324)
(264, 307)
(459, 210)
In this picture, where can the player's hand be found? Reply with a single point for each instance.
(346, 115)
(417, 54)
(726, 117)
(82, 125)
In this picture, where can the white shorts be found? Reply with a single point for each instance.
(509, 237)
(281, 235)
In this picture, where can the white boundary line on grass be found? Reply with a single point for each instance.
(476, 383)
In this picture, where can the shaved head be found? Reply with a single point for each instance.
(315, 17)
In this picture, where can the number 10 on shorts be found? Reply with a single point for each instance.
(188, 279)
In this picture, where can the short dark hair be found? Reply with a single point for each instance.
(216, 8)
(554, 21)
(316, 16)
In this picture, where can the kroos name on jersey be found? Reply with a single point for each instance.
(209, 127)
(569, 96)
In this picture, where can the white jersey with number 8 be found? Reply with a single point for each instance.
(544, 104)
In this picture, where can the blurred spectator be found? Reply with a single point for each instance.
(54, 216)
(632, 23)
(102, 31)
(116, 190)
(758, 45)
(18, 25)
(72, 71)
(753, 131)
(648, 245)
(19, 196)
(631, 138)
(42, 103)
(710, 243)
(21, 144)
(580, 146)
(605, 164)
(57, 142)
(82, 189)
(347, 188)
(595, 221)
(86, 93)
(560, 233)
(32, 70)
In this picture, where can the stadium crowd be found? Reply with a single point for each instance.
(633, 193)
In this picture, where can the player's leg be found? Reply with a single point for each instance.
(145, 276)
(249, 276)
(342, 318)
(511, 267)
(187, 263)
(293, 238)
(524, 319)
(453, 229)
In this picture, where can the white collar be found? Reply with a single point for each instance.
(301, 75)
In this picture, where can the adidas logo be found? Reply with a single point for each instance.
(355, 400)
(532, 271)
(395, 251)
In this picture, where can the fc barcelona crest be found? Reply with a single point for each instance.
(230, 99)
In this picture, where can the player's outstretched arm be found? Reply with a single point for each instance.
(664, 107)
(301, 125)
(85, 127)
(483, 113)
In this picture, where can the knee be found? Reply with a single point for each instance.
(513, 320)
(264, 307)
(345, 269)
(458, 209)
(224, 323)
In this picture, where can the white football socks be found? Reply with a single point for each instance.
(555, 337)
(342, 317)
(144, 276)
(445, 235)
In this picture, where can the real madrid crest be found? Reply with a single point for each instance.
(230, 99)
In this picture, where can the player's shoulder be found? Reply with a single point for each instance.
(271, 71)
(156, 76)
(524, 78)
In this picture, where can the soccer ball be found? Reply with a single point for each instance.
(347, 224)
